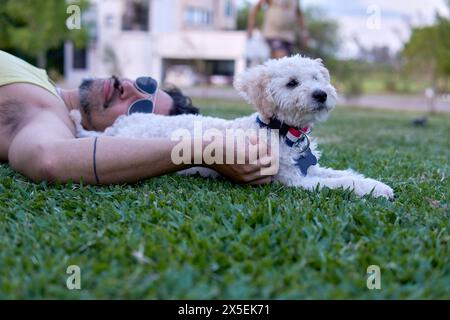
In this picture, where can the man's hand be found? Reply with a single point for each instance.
(252, 172)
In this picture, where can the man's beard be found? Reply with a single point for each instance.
(84, 89)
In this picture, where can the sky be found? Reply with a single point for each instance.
(377, 22)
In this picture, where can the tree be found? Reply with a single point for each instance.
(36, 26)
(323, 32)
(428, 51)
(242, 16)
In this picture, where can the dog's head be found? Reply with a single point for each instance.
(296, 90)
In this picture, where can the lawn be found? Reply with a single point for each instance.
(385, 83)
(186, 237)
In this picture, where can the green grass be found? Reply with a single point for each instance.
(388, 83)
(212, 239)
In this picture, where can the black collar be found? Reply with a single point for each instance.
(291, 135)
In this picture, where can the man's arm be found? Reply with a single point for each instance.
(45, 149)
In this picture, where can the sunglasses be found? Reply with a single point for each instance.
(146, 85)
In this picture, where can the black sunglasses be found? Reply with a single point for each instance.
(146, 85)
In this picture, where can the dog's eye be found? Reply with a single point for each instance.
(293, 83)
(315, 78)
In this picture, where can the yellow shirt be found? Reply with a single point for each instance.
(14, 70)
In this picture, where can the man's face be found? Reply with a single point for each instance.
(103, 100)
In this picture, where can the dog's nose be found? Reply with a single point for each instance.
(319, 96)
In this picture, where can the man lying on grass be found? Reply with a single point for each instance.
(37, 136)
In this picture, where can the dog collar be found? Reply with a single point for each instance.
(292, 135)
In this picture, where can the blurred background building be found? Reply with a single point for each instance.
(379, 52)
(186, 42)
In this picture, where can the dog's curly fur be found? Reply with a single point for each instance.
(282, 89)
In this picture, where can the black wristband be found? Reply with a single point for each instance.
(95, 164)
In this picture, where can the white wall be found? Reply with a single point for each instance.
(163, 16)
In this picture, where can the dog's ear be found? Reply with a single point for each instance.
(253, 86)
(323, 69)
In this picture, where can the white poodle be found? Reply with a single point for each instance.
(290, 94)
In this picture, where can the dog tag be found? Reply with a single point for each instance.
(306, 160)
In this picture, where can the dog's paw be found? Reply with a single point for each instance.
(383, 190)
(375, 188)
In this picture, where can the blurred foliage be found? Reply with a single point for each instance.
(428, 51)
(347, 76)
(34, 27)
(323, 33)
(242, 16)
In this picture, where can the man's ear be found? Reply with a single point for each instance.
(322, 69)
(253, 86)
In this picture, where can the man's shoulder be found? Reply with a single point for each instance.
(25, 100)
(29, 94)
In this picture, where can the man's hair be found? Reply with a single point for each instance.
(84, 89)
(181, 103)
